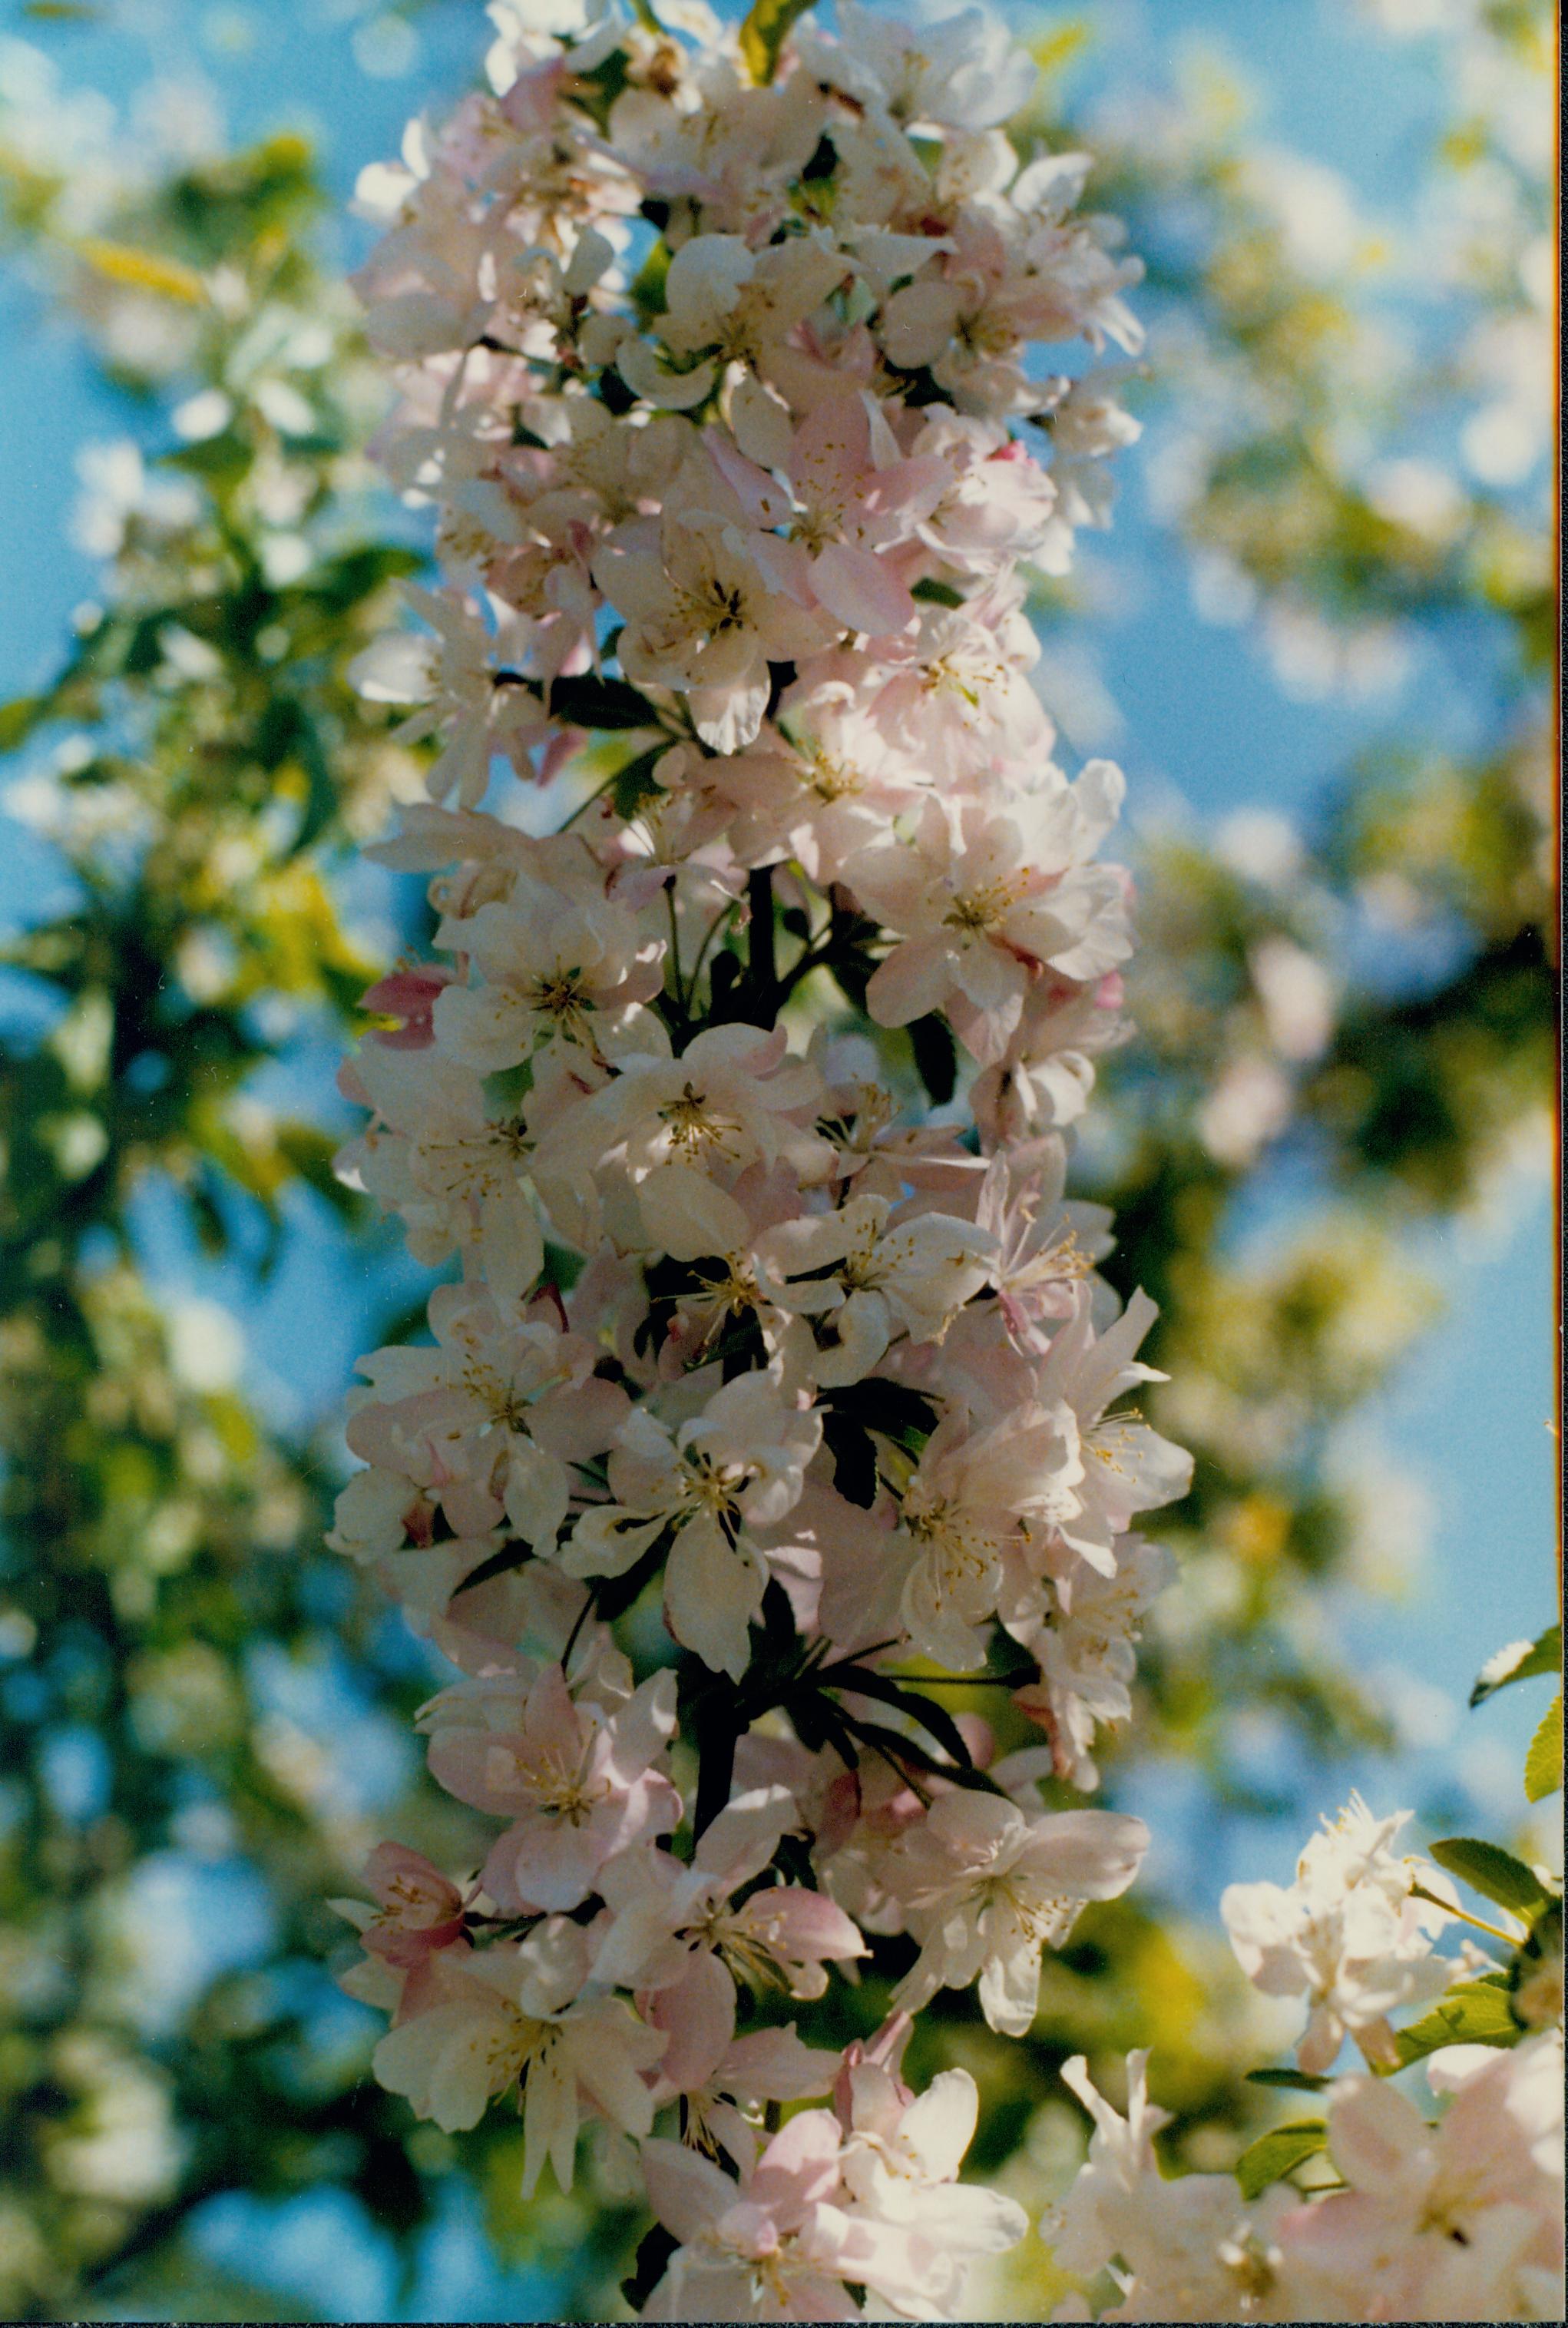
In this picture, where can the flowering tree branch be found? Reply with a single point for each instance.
(713, 359)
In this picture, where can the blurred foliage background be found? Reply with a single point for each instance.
(1347, 1045)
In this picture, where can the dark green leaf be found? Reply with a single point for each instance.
(904, 1415)
(933, 1719)
(589, 702)
(1295, 2081)
(657, 2248)
(1494, 1873)
(810, 1717)
(936, 1056)
(1278, 2152)
(1520, 1661)
(854, 1458)
(713, 1734)
(936, 593)
(275, 732)
(614, 394)
(562, 1266)
(775, 1640)
(901, 1750)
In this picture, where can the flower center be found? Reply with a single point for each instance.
(982, 908)
(562, 997)
(1112, 1438)
(963, 1548)
(712, 1486)
(694, 1126)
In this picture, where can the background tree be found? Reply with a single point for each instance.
(171, 1700)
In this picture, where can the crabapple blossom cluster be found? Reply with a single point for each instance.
(716, 356)
(1456, 2218)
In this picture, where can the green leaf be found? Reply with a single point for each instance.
(905, 1416)
(1520, 1661)
(1473, 2012)
(311, 1152)
(1492, 1872)
(1296, 2081)
(1544, 1762)
(500, 1563)
(1276, 2153)
(648, 2265)
(223, 459)
(931, 593)
(19, 717)
(340, 583)
(588, 703)
(763, 33)
(321, 799)
(634, 784)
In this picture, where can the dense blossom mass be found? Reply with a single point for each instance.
(718, 358)
(1408, 2218)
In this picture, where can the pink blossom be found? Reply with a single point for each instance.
(577, 1784)
(757, 2249)
(665, 1913)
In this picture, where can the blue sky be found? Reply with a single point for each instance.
(1203, 720)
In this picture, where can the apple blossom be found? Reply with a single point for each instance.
(723, 2081)
(556, 961)
(516, 2016)
(1455, 2222)
(664, 1912)
(985, 1889)
(739, 1463)
(1084, 1642)
(452, 675)
(1192, 2247)
(985, 900)
(861, 1277)
(758, 2251)
(1348, 1935)
(577, 1784)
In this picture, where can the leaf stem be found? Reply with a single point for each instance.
(763, 955)
(714, 926)
(967, 1681)
(675, 948)
(1508, 1939)
(584, 805)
